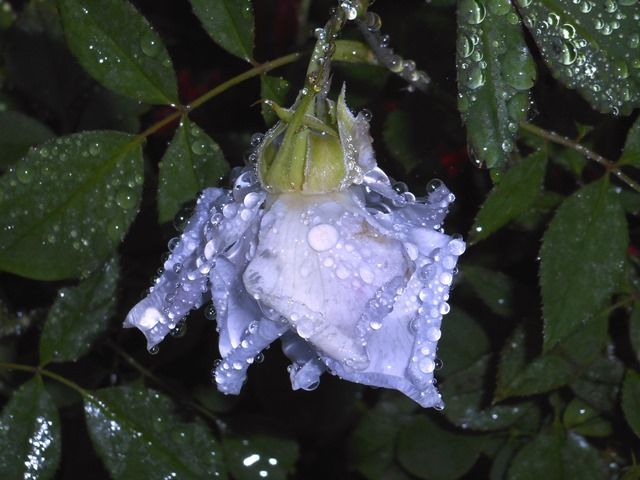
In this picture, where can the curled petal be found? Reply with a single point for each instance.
(182, 285)
(306, 368)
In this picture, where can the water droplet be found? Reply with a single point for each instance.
(173, 243)
(24, 174)
(210, 312)
(476, 78)
(499, 7)
(634, 40)
(125, 198)
(473, 11)
(149, 45)
(465, 46)
(426, 365)
(323, 237)
(198, 147)
(621, 69)
(373, 21)
(154, 350)
(567, 51)
(567, 31)
(433, 334)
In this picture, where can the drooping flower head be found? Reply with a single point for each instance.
(314, 246)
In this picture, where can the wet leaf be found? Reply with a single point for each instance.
(514, 195)
(582, 418)
(372, 443)
(29, 434)
(466, 400)
(116, 45)
(599, 385)
(67, 204)
(426, 450)
(591, 47)
(631, 400)
(79, 315)
(458, 352)
(192, 162)
(631, 152)
(275, 89)
(582, 255)
(554, 456)
(520, 376)
(229, 23)
(250, 454)
(494, 288)
(354, 51)
(18, 132)
(135, 432)
(495, 73)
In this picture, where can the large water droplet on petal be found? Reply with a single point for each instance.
(323, 237)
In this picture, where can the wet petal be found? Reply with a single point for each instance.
(306, 367)
(182, 286)
(319, 262)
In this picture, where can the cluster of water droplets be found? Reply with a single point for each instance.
(370, 28)
(217, 227)
(490, 48)
(593, 46)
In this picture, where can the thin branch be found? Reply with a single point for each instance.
(214, 92)
(581, 149)
(46, 373)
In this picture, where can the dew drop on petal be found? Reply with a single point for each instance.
(323, 237)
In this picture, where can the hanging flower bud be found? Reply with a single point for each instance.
(314, 246)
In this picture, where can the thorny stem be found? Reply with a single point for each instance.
(584, 151)
(252, 72)
(46, 373)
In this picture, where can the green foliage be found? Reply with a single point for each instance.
(592, 47)
(573, 259)
(229, 23)
(29, 434)
(135, 433)
(539, 356)
(495, 73)
(18, 132)
(118, 47)
(192, 162)
(79, 315)
(514, 195)
(69, 230)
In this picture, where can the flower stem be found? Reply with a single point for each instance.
(46, 373)
(214, 92)
(581, 149)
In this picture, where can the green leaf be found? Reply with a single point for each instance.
(18, 132)
(29, 434)
(275, 89)
(582, 255)
(458, 352)
(135, 432)
(398, 138)
(372, 443)
(495, 73)
(117, 46)
(591, 47)
(465, 395)
(514, 195)
(631, 152)
(553, 456)
(631, 400)
(599, 385)
(192, 162)
(354, 51)
(67, 205)
(426, 450)
(229, 23)
(495, 289)
(249, 454)
(583, 419)
(519, 376)
(79, 315)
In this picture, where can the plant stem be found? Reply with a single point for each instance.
(214, 92)
(581, 149)
(145, 372)
(37, 370)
